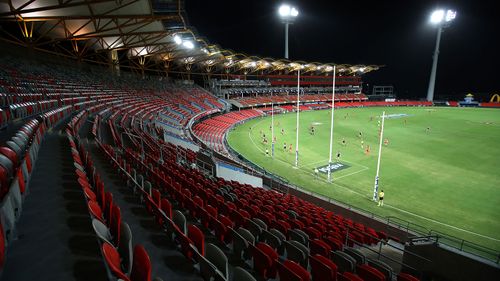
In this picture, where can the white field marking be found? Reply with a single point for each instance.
(398, 209)
(445, 224)
(350, 174)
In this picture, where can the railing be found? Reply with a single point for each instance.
(466, 246)
(380, 254)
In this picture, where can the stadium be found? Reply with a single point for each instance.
(134, 148)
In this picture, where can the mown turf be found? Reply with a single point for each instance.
(446, 179)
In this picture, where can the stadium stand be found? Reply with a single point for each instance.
(89, 186)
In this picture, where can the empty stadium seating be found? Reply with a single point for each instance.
(225, 228)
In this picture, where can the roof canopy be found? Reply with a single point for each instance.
(146, 34)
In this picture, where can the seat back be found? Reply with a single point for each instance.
(297, 252)
(101, 230)
(115, 223)
(112, 258)
(180, 220)
(2, 247)
(141, 265)
(166, 207)
(320, 247)
(95, 210)
(356, 254)
(239, 274)
(299, 235)
(406, 277)
(344, 261)
(291, 271)
(323, 268)
(369, 273)
(125, 247)
(382, 267)
(218, 259)
(240, 244)
(198, 238)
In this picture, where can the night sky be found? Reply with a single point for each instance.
(396, 34)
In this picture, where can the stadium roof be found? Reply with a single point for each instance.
(140, 34)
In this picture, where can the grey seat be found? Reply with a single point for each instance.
(281, 238)
(248, 236)
(344, 261)
(125, 248)
(17, 198)
(382, 267)
(148, 187)
(356, 254)
(8, 218)
(102, 231)
(262, 224)
(255, 229)
(180, 220)
(20, 142)
(7, 164)
(240, 244)
(292, 214)
(12, 145)
(299, 235)
(214, 265)
(297, 252)
(239, 274)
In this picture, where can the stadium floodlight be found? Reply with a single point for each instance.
(441, 19)
(288, 14)
(188, 44)
(177, 39)
(437, 16)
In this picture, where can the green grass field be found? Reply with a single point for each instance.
(447, 179)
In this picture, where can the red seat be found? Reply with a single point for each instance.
(198, 238)
(95, 210)
(207, 215)
(292, 271)
(348, 276)
(369, 273)
(265, 260)
(141, 266)
(320, 247)
(2, 247)
(406, 277)
(112, 258)
(115, 223)
(166, 207)
(90, 194)
(108, 203)
(323, 268)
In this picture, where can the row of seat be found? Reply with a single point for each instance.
(199, 203)
(365, 266)
(283, 99)
(212, 131)
(115, 237)
(17, 161)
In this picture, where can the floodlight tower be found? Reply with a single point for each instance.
(441, 19)
(288, 14)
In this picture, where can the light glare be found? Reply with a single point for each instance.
(177, 39)
(188, 44)
(284, 10)
(294, 12)
(437, 16)
(450, 15)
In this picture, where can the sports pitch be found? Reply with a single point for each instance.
(440, 168)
